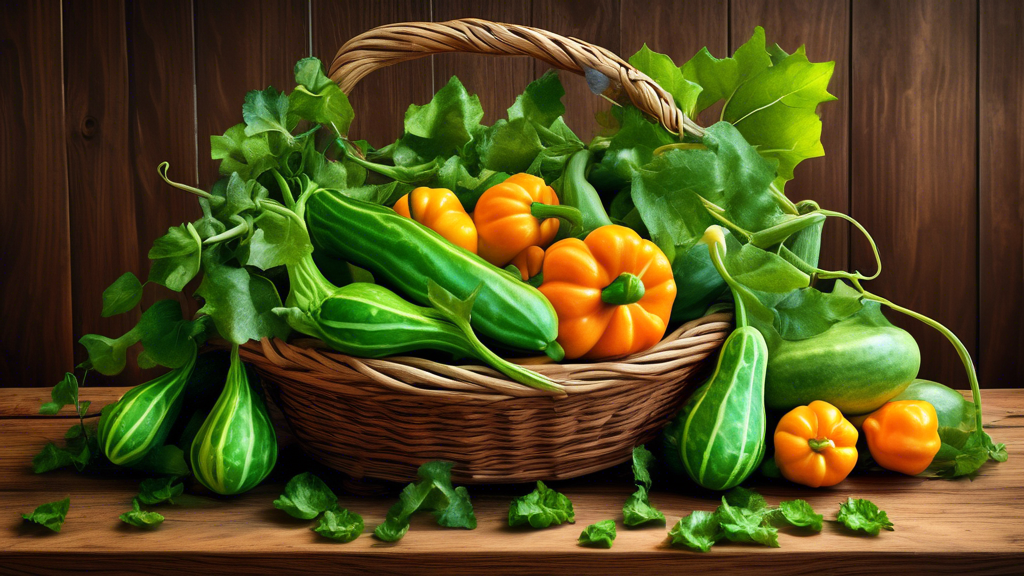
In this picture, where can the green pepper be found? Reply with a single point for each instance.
(577, 192)
(409, 255)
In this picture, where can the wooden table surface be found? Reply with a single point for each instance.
(942, 526)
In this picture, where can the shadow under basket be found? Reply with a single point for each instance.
(383, 418)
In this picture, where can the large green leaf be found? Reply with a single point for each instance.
(439, 128)
(663, 70)
(240, 303)
(719, 78)
(318, 99)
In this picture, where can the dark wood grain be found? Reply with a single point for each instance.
(35, 261)
(596, 22)
(679, 29)
(381, 99)
(913, 166)
(1001, 193)
(242, 46)
(824, 27)
(161, 90)
(497, 81)
(102, 205)
(941, 526)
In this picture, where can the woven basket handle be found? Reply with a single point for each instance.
(394, 43)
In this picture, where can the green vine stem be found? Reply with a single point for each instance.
(961, 350)
(162, 171)
(714, 237)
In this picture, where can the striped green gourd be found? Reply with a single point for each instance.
(142, 418)
(236, 448)
(723, 438)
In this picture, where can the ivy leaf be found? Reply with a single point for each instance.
(266, 111)
(64, 393)
(863, 515)
(340, 525)
(719, 78)
(598, 535)
(698, 530)
(240, 303)
(746, 525)
(168, 339)
(541, 102)
(280, 239)
(157, 490)
(638, 510)
(305, 496)
(249, 156)
(318, 99)
(509, 146)
(441, 127)
(121, 296)
(541, 508)
(434, 491)
(140, 518)
(775, 111)
(800, 513)
(52, 457)
(664, 71)
(106, 355)
(51, 514)
(176, 257)
(238, 196)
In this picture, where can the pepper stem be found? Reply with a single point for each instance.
(626, 289)
(820, 445)
(571, 215)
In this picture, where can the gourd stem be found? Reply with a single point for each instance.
(961, 350)
(779, 233)
(571, 215)
(780, 198)
(716, 246)
(307, 285)
(235, 232)
(820, 445)
(679, 146)
(626, 289)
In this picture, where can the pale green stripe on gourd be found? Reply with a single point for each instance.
(142, 418)
(236, 447)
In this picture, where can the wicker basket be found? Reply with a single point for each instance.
(383, 418)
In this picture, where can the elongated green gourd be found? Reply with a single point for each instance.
(723, 439)
(142, 418)
(236, 447)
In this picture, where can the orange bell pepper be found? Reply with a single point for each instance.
(514, 215)
(613, 292)
(530, 263)
(903, 435)
(440, 210)
(815, 446)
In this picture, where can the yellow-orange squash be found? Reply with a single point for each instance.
(440, 210)
(612, 291)
(504, 220)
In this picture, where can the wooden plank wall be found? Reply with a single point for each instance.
(925, 145)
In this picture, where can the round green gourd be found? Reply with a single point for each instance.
(143, 417)
(723, 438)
(236, 447)
(856, 365)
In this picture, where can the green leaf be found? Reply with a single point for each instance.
(140, 518)
(396, 521)
(541, 102)
(682, 192)
(280, 239)
(764, 271)
(458, 311)
(541, 508)
(698, 530)
(340, 525)
(441, 127)
(808, 312)
(318, 99)
(434, 491)
(717, 78)
(664, 71)
(745, 498)
(863, 515)
(266, 111)
(598, 535)
(52, 457)
(305, 496)
(746, 525)
(107, 356)
(176, 257)
(64, 393)
(121, 296)
(249, 156)
(800, 513)
(638, 510)
(642, 459)
(238, 196)
(775, 111)
(509, 146)
(169, 340)
(240, 303)
(157, 490)
(51, 514)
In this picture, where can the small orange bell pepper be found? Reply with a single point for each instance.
(530, 262)
(514, 215)
(613, 292)
(440, 210)
(815, 446)
(903, 435)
